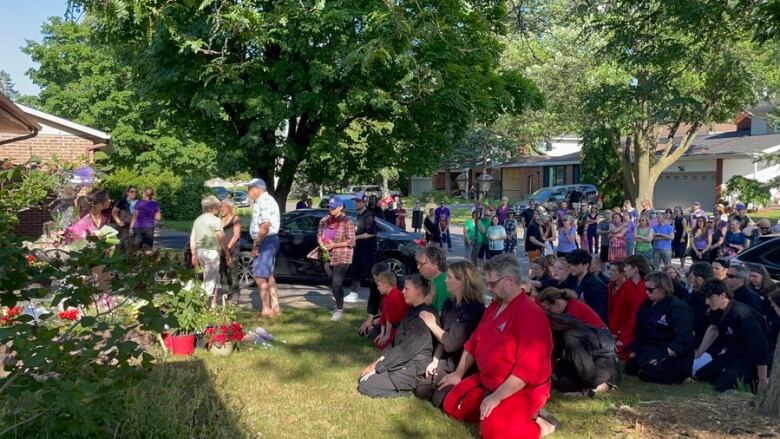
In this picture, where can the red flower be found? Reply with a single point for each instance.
(9, 315)
(31, 259)
(224, 333)
(71, 314)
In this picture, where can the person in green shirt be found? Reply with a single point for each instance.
(471, 236)
(483, 226)
(432, 263)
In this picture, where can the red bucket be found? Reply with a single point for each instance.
(180, 344)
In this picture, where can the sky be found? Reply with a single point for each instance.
(20, 21)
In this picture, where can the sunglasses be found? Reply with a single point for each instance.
(763, 229)
(731, 276)
(132, 192)
(650, 290)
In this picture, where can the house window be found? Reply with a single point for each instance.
(556, 175)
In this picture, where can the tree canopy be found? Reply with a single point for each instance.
(331, 85)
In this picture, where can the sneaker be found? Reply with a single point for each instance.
(337, 315)
(352, 297)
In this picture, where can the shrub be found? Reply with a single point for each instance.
(179, 197)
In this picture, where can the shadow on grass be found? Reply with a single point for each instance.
(180, 399)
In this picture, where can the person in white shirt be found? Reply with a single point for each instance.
(264, 229)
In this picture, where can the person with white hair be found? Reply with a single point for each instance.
(206, 240)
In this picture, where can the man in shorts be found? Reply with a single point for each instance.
(264, 229)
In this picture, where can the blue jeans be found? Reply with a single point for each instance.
(263, 264)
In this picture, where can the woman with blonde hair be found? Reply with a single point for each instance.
(459, 318)
(395, 372)
(560, 273)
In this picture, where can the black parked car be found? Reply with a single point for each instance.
(767, 253)
(298, 236)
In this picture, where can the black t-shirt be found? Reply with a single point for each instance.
(575, 196)
(365, 224)
(528, 216)
(533, 230)
(124, 211)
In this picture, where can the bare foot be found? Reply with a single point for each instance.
(265, 315)
(276, 312)
(547, 423)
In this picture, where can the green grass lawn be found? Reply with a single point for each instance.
(305, 386)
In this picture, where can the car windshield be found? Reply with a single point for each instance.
(540, 194)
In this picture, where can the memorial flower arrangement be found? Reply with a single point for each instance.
(218, 335)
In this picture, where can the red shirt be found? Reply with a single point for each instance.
(581, 311)
(518, 342)
(394, 309)
(622, 319)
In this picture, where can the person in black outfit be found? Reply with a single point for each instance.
(432, 231)
(534, 244)
(540, 274)
(746, 350)
(575, 198)
(459, 318)
(364, 259)
(699, 273)
(662, 351)
(585, 360)
(737, 281)
(527, 214)
(587, 286)
(680, 239)
(395, 372)
(122, 213)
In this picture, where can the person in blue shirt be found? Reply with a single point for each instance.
(663, 233)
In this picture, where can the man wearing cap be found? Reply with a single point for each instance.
(741, 216)
(264, 229)
(761, 228)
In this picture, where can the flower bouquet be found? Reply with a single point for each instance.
(220, 338)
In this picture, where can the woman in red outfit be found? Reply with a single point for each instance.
(622, 318)
(512, 347)
(616, 280)
(556, 301)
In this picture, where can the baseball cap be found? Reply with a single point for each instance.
(740, 206)
(335, 203)
(259, 182)
(360, 200)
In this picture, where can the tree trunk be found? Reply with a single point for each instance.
(447, 180)
(769, 403)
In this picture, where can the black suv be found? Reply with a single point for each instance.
(766, 253)
(298, 236)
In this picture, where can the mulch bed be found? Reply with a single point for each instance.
(719, 417)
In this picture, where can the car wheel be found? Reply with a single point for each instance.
(246, 278)
(396, 266)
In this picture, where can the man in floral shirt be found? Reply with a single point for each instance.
(264, 229)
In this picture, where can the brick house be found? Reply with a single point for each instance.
(26, 133)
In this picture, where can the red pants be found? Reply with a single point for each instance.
(512, 418)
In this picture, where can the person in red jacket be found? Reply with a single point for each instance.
(556, 301)
(631, 295)
(512, 347)
(616, 280)
(394, 308)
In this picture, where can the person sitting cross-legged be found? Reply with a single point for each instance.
(662, 351)
(395, 372)
(742, 330)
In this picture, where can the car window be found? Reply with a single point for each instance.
(302, 224)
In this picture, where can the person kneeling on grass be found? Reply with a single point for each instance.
(459, 318)
(743, 333)
(662, 351)
(395, 372)
(512, 347)
(394, 307)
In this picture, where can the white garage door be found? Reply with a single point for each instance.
(683, 188)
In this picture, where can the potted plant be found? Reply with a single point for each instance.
(222, 332)
(185, 307)
(222, 338)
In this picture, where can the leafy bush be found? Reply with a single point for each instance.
(749, 190)
(66, 371)
(179, 197)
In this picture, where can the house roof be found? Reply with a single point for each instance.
(544, 160)
(96, 136)
(735, 143)
(14, 120)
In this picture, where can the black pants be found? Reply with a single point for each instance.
(336, 275)
(580, 368)
(664, 370)
(390, 384)
(125, 240)
(726, 373)
(428, 389)
(143, 238)
(228, 274)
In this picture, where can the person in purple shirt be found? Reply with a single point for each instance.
(442, 215)
(628, 219)
(562, 212)
(503, 210)
(147, 213)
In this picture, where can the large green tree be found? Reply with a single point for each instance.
(7, 86)
(350, 84)
(81, 79)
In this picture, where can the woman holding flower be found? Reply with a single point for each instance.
(336, 237)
